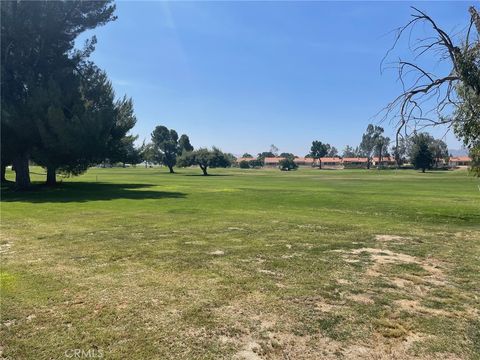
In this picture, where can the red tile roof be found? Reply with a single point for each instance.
(303, 159)
(460, 158)
(272, 160)
(355, 159)
(330, 159)
(245, 159)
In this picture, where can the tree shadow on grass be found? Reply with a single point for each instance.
(209, 175)
(86, 191)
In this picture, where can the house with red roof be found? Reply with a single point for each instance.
(331, 162)
(355, 162)
(272, 161)
(386, 161)
(303, 161)
(459, 161)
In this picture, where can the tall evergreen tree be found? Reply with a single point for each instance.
(421, 154)
(37, 41)
(370, 140)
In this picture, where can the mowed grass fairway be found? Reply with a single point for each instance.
(254, 264)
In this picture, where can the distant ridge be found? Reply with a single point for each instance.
(458, 152)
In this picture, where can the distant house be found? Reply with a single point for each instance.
(302, 161)
(459, 161)
(386, 160)
(272, 161)
(359, 162)
(239, 160)
(331, 162)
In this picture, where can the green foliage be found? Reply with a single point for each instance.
(265, 154)
(467, 121)
(399, 151)
(121, 146)
(247, 155)
(373, 140)
(332, 151)
(421, 154)
(39, 72)
(244, 164)
(287, 164)
(166, 146)
(439, 151)
(147, 154)
(256, 163)
(349, 152)
(184, 144)
(381, 146)
(318, 149)
(205, 158)
(475, 156)
(287, 155)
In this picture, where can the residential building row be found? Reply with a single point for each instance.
(360, 162)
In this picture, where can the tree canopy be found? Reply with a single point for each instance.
(205, 158)
(166, 146)
(287, 164)
(57, 107)
(184, 144)
(372, 140)
(421, 154)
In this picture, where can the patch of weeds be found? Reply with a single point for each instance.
(383, 283)
(198, 315)
(473, 334)
(328, 324)
(442, 304)
(7, 281)
(410, 268)
(391, 329)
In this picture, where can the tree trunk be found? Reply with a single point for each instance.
(204, 169)
(171, 169)
(423, 170)
(319, 163)
(22, 172)
(3, 173)
(51, 176)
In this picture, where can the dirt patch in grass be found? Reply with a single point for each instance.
(415, 307)
(389, 238)
(217, 253)
(431, 269)
(361, 298)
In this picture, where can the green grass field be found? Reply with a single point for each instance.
(256, 264)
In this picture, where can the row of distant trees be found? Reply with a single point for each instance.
(422, 150)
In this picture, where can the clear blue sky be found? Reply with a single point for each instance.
(244, 75)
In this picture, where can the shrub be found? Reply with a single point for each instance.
(287, 164)
(244, 164)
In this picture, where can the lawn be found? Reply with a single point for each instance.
(136, 263)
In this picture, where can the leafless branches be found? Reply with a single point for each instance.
(428, 99)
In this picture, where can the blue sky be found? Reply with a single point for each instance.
(244, 75)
